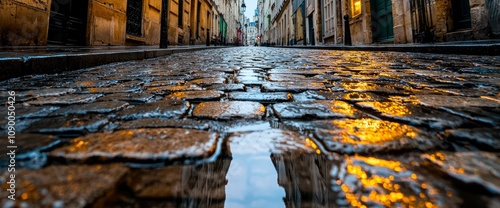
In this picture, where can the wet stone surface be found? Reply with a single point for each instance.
(258, 127)
(141, 144)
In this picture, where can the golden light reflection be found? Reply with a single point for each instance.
(342, 107)
(384, 190)
(357, 96)
(78, 145)
(371, 131)
(311, 143)
(389, 108)
(358, 86)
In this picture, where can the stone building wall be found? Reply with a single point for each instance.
(24, 22)
(107, 22)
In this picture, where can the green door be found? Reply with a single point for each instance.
(382, 26)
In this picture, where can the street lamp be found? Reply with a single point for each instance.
(243, 7)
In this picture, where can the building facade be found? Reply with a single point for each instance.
(313, 22)
(110, 22)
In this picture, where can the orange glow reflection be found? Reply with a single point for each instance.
(371, 131)
(389, 108)
(342, 108)
(383, 189)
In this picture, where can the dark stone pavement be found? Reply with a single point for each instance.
(260, 127)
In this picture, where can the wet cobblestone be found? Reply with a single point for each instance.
(260, 127)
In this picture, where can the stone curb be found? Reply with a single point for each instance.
(57, 63)
(489, 50)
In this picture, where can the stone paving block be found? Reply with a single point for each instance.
(111, 90)
(483, 138)
(208, 81)
(96, 107)
(346, 96)
(168, 89)
(162, 123)
(481, 168)
(206, 182)
(250, 80)
(158, 144)
(298, 86)
(270, 141)
(367, 135)
(96, 83)
(65, 99)
(227, 87)
(229, 110)
(309, 72)
(438, 101)
(315, 109)
(160, 109)
(26, 142)
(414, 114)
(46, 92)
(23, 111)
(68, 124)
(377, 182)
(197, 95)
(64, 186)
(164, 82)
(271, 97)
(128, 97)
(364, 87)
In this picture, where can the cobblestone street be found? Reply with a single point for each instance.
(259, 127)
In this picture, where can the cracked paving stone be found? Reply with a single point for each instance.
(197, 95)
(141, 144)
(271, 97)
(46, 92)
(367, 135)
(437, 101)
(485, 138)
(96, 107)
(376, 182)
(65, 99)
(162, 123)
(64, 186)
(227, 87)
(292, 86)
(270, 141)
(415, 115)
(208, 81)
(315, 109)
(128, 97)
(481, 168)
(229, 109)
(68, 124)
(160, 109)
(167, 89)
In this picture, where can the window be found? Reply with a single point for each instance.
(355, 8)
(180, 13)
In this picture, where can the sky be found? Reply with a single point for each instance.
(251, 6)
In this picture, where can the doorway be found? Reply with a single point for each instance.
(68, 22)
(382, 22)
(461, 14)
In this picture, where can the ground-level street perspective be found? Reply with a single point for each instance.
(256, 127)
